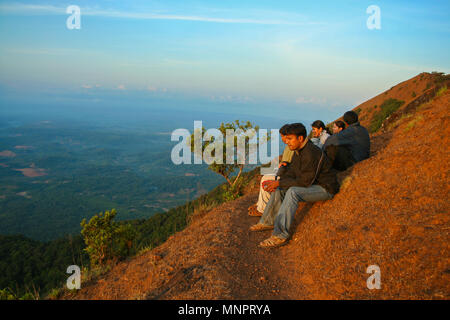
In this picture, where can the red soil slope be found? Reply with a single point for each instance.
(392, 211)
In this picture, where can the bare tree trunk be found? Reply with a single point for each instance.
(241, 167)
(229, 181)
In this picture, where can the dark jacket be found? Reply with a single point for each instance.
(309, 166)
(355, 137)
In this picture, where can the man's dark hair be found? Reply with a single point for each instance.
(340, 124)
(284, 129)
(297, 129)
(318, 124)
(350, 117)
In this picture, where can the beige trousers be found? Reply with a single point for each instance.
(264, 196)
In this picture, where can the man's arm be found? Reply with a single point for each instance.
(306, 172)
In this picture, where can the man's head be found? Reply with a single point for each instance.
(295, 136)
(338, 126)
(317, 128)
(350, 117)
(283, 131)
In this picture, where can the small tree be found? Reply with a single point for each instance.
(106, 239)
(224, 167)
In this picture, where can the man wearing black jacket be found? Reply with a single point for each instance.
(350, 145)
(309, 177)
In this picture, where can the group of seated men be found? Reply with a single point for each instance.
(307, 172)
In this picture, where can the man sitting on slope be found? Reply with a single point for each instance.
(257, 209)
(350, 145)
(309, 177)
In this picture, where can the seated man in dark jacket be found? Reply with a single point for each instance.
(350, 145)
(309, 177)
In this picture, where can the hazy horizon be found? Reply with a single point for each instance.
(284, 60)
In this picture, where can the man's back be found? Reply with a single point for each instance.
(355, 138)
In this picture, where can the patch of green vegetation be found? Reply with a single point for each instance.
(358, 111)
(413, 94)
(428, 86)
(441, 91)
(413, 123)
(388, 107)
(7, 294)
(440, 77)
(397, 122)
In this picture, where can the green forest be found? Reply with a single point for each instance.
(29, 266)
(80, 170)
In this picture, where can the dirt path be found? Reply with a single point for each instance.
(257, 270)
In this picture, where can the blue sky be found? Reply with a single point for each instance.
(311, 58)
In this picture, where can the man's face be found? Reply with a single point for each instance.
(316, 132)
(293, 141)
(336, 129)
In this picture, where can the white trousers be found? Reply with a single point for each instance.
(264, 196)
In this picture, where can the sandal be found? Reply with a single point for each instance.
(272, 242)
(260, 227)
(252, 207)
(254, 212)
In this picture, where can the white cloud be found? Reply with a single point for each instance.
(121, 87)
(311, 100)
(49, 9)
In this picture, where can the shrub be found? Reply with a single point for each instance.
(233, 192)
(5, 294)
(106, 239)
(428, 86)
(388, 107)
(413, 94)
(440, 77)
(413, 123)
(441, 91)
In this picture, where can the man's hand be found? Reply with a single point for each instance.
(282, 164)
(270, 185)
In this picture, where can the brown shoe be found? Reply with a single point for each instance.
(273, 242)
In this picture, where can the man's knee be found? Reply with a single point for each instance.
(293, 194)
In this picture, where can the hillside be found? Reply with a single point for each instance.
(392, 211)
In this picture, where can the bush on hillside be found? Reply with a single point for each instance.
(106, 239)
(388, 107)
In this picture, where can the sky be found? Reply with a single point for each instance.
(285, 59)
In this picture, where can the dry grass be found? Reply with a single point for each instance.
(387, 213)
